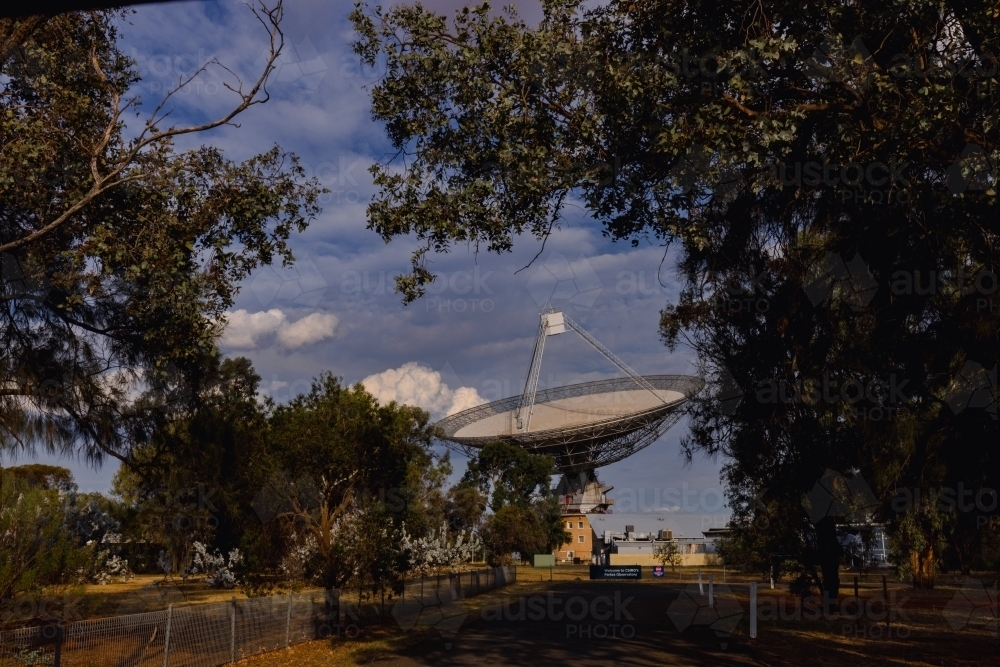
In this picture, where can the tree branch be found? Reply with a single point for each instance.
(111, 180)
(17, 33)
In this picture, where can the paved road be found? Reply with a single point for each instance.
(581, 624)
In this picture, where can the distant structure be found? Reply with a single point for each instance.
(583, 426)
(632, 539)
(583, 494)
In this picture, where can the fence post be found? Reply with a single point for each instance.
(288, 620)
(857, 603)
(885, 594)
(166, 635)
(232, 632)
(59, 639)
(753, 610)
(711, 591)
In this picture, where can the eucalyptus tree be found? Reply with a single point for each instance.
(808, 164)
(525, 515)
(120, 252)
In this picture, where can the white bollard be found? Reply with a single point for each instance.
(711, 591)
(753, 610)
(701, 586)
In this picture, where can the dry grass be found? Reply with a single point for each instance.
(143, 593)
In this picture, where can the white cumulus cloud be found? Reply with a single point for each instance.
(310, 329)
(413, 384)
(246, 330)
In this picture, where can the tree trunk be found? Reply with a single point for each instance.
(922, 566)
(829, 561)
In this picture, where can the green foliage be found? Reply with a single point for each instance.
(344, 460)
(508, 474)
(342, 435)
(465, 508)
(316, 489)
(120, 253)
(668, 553)
(196, 478)
(916, 543)
(511, 529)
(686, 124)
(514, 483)
(524, 529)
(50, 478)
(36, 549)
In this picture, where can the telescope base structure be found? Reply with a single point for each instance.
(583, 426)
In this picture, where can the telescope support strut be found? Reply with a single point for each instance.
(523, 415)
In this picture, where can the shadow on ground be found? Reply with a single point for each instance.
(635, 630)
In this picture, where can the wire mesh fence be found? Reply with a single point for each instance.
(214, 634)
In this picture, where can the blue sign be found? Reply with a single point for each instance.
(658, 571)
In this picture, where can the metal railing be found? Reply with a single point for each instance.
(208, 635)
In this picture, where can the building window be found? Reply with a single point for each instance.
(569, 524)
(581, 538)
(580, 524)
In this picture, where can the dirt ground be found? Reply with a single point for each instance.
(667, 622)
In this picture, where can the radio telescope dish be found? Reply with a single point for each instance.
(583, 426)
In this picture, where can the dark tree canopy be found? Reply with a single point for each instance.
(48, 477)
(811, 166)
(120, 254)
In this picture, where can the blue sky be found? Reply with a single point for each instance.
(335, 310)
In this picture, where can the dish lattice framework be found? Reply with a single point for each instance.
(582, 447)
